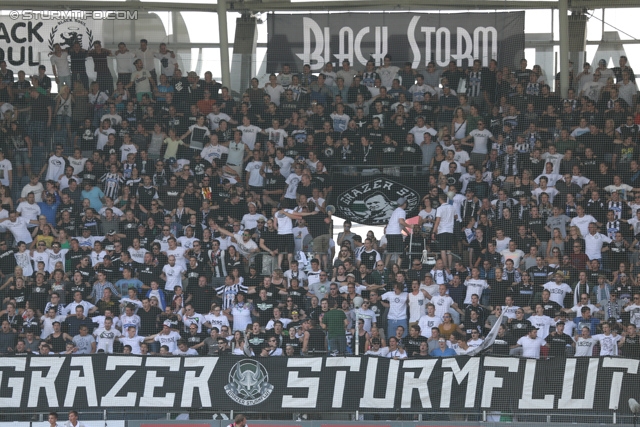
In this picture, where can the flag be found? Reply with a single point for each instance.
(490, 338)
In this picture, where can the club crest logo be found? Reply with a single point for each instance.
(69, 31)
(248, 383)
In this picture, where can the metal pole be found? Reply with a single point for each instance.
(224, 43)
(563, 22)
(357, 352)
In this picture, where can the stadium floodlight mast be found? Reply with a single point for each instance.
(635, 409)
(357, 303)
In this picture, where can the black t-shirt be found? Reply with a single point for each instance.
(148, 273)
(270, 239)
(7, 261)
(558, 343)
(265, 309)
(501, 345)
(148, 321)
(412, 345)
(257, 342)
(316, 224)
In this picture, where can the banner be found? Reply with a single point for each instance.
(317, 39)
(370, 200)
(333, 384)
(25, 43)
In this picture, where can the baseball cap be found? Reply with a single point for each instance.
(351, 275)
(560, 323)
(167, 323)
(294, 312)
(602, 61)
(401, 201)
(112, 232)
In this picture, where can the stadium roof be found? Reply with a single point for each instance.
(326, 5)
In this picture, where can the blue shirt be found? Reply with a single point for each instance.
(94, 196)
(446, 353)
(49, 211)
(581, 323)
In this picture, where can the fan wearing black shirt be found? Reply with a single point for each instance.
(559, 341)
(413, 341)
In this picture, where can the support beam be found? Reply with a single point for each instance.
(224, 43)
(563, 23)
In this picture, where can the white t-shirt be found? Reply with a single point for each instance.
(245, 248)
(5, 167)
(217, 321)
(277, 136)
(124, 62)
(558, 292)
(292, 185)
(593, 245)
(174, 276)
(189, 352)
(214, 120)
(274, 93)
(446, 213)
(141, 79)
(394, 226)
(582, 223)
(608, 344)
(106, 338)
(531, 347)
(543, 323)
(417, 304)
(170, 340)
(56, 167)
(62, 64)
(18, 229)
(515, 256)
(255, 179)
(442, 303)
(285, 224)
(474, 286)
(178, 252)
(550, 191)
(285, 165)
(480, 140)
(426, 323)
(397, 305)
(28, 211)
(584, 346)
(249, 135)
(133, 342)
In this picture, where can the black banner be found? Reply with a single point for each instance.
(335, 384)
(370, 200)
(316, 39)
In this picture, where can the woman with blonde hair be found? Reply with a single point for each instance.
(459, 123)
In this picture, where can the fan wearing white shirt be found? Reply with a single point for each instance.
(531, 344)
(106, 335)
(172, 274)
(443, 229)
(558, 289)
(582, 221)
(542, 322)
(475, 285)
(608, 340)
(594, 242)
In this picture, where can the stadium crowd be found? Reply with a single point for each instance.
(160, 215)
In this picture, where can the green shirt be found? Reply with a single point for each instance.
(334, 319)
